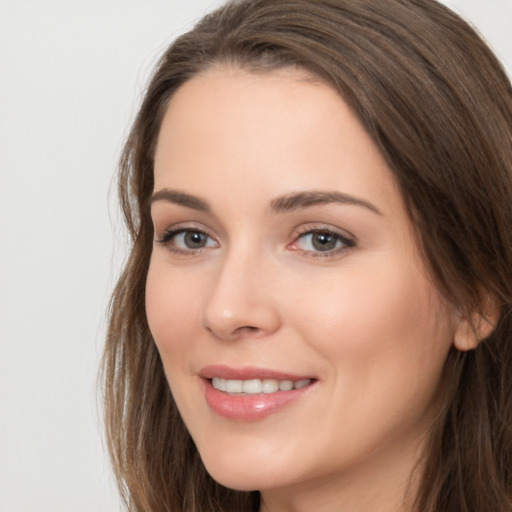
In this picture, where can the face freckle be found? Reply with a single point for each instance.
(284, 253)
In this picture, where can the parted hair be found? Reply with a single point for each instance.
(438, 105)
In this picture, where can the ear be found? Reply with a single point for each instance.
(479, 326)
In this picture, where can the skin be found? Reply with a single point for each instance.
(363, 319)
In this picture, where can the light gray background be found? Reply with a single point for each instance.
(71, 75)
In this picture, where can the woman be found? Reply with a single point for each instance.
(315, 314)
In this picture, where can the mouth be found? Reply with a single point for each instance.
(251, 394)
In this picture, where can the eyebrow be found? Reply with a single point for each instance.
(286, 203)
(307, 199)
(180, 198)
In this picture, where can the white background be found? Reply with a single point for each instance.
(71, 75)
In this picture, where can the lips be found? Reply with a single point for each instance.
(250, 394)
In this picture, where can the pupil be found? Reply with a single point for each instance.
(194, 240)
(324, 241)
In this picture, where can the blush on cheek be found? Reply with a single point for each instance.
(169, 309)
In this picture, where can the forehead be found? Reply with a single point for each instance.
(282, 129)
(223, 100)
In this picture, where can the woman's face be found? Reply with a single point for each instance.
(300, 334)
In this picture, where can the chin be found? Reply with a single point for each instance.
(245, 475)
(234, 479)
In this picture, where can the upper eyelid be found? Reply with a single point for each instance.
(176, 230)
(316, 227)
(163, 233)
(348, 241)
(164, 224)
(183, 226)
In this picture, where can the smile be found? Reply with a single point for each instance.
(257, 386)
(253, 399)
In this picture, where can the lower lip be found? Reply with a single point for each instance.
(250, 407)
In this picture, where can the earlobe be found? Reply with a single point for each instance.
(471, 331)
(465, 337)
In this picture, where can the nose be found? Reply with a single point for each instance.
(241, 303)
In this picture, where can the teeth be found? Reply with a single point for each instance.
(270, 385)
(234, 386)
(219, 384)
(252, 386)
(257, 386)
(286, 385)
(301, 383)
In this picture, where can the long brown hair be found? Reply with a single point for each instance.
(438, 105)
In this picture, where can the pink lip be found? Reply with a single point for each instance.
(246, 373)
(249, 407)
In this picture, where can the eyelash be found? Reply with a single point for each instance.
(170, 235)
(346, 243)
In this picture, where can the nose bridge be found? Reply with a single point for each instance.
(240, 300)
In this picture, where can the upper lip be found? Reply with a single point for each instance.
(247, 373)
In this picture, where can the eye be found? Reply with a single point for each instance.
(187, 240)
(322, 242)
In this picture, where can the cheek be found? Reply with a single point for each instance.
(170, 308)
(379, 324)
(384, 340)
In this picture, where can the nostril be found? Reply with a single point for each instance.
(248, 328)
